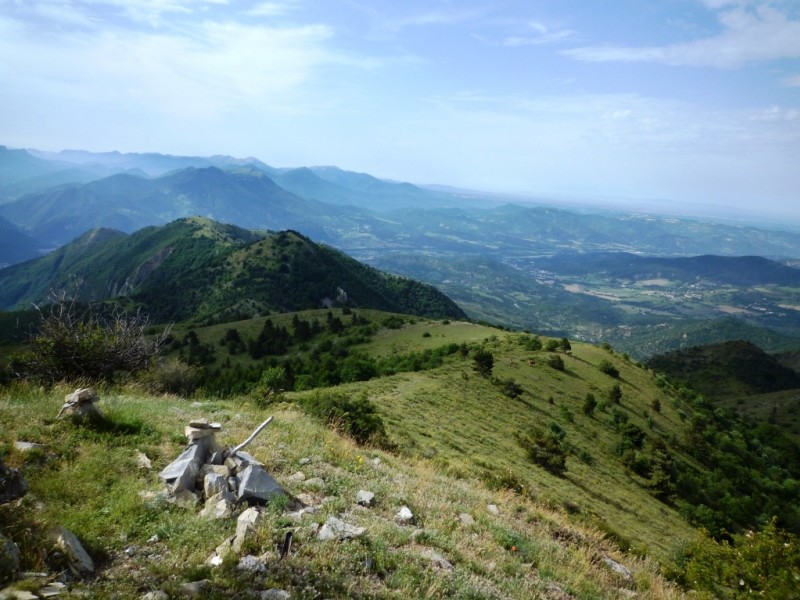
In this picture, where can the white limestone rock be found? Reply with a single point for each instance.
(79, 561)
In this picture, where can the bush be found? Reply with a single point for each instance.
(510, 388)
(270, 386)
(170, 376)
(609, 369)
(556, 362)
(589, 404)
(94, 343)
(615, 394)
(484, 362)
(763, 564)
(357, 418)
(546, 450)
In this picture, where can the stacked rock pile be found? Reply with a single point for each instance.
(80, 404)
(219, 477)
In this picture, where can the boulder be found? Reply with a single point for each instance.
(252, 564)
(195, 589)
(181, 473)
(255, 484)
(336, 529)
(404, 516)
(365, 498)
(213, 484)
(9, 558)
(437, 560)
(246, 527)
(219, 506)
(78, 560)
(80, 405)
(621, 570)
(186, 499)
(12, 485)
(466, 519)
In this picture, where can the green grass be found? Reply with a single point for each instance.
(467, 427)
(87, 480)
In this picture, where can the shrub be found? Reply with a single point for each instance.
(533, 344)
(589, 404)
(546, 450)
(556, 362)
(615, 394)
(270, 386)
(763, 564)
(169, 376)
(484, 362)
(357, 418)
(552, 345)
(93, 343)
(510, 388)
(609, 369)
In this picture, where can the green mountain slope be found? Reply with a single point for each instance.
(735, 368)
(195, 268)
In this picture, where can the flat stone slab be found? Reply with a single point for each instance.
(256, 484)
(175, 469)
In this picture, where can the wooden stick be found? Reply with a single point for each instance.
(252, 436)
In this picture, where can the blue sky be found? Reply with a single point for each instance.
(688, 101)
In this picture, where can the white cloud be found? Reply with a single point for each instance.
(202, 68)
(269, 9)
(749, 35)
(540, 35)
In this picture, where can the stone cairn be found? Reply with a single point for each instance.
(80, 404)
(218, 477)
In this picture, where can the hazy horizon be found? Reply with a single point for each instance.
(694, 103)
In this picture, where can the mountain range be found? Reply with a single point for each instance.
(595, 276)
(195, 268)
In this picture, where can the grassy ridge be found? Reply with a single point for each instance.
(87, 479)
(467, 426)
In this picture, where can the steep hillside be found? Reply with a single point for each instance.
(466, 540)
(726, 370)
(535, 474)
(196, 268)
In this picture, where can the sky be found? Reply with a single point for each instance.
(691, 102)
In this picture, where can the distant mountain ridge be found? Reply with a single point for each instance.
(128, 203)
(730, 270)
(15, 245)
(197, 268)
